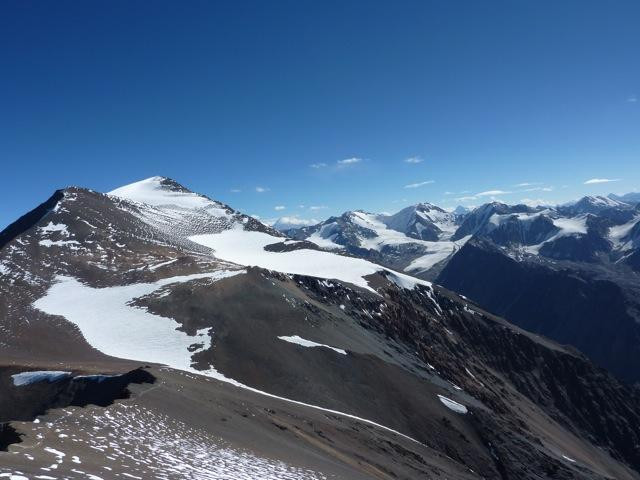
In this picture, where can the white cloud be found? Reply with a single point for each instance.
(262, 189)
(318, 165)
(419, 184)
(594, 181)
(414, 160)
(466, 199)
(457, 193)
(279, 207)
(318, 207)
(528, 184)
(632, 98)
(349, 161)
(538, 189)
(491, 193)
(235, 190)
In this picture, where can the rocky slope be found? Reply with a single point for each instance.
(280, 360)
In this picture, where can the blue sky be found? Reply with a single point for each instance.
(321, 104)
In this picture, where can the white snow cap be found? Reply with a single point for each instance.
(157, 191)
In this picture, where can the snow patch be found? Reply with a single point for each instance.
(567, 227)
(110, 324)
(59, 243)
(618, 233)
(247, 248)
(308, 343)
(27, 378)
(55, 227)
(453, 405)
(325, 236)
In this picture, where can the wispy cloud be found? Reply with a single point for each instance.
(538, 189)
(279, 207)
(458, 193)
(318, 165)
(466, 199)
(594, 181)
(419, 184)
(632, 99)
(527, 184)
(491, 193)
(414, 160)
(318, 207)
(262, 189)
(297, 221)
(235, 190)
(349, 161)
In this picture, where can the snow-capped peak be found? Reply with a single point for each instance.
(601, 201)
(595, 204)
(161, 191)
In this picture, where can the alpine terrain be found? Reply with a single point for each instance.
(154, 333)
(570, 272)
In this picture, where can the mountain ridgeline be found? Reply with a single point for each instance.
(323, 356)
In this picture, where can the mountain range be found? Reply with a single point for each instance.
(570, 272)
(152, 332)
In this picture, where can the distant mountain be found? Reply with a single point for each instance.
(207, 345)
(632, 197)
(423, 221)
(460, 210)
(594, 205)
(593, 241)
(414, 240)
(582, 259)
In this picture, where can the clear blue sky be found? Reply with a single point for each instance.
(234, 95)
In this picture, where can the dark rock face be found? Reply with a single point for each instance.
(25, 222)
(8, 436)
(26, 402)
(580, 249)
(291, 246)
(633, 261)
(574, 306)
